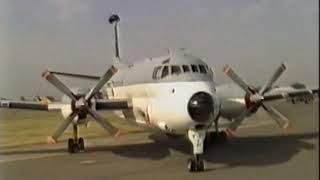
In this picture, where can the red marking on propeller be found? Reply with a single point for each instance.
(253, 106)
(231, 134)
(46, 74)
(247, 101)
(51, 140)
(117, 134)
(113, 69)
(226, 69)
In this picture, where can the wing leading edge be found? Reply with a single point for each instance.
(101, 104)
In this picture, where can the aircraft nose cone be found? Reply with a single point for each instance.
(200, 107)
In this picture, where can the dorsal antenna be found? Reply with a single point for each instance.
(114, 19)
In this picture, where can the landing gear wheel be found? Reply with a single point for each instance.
(81, 144)
(72, 146)
(196, 165)
(200, 165)
(192, 165)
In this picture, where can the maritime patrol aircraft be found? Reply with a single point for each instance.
(175, 93)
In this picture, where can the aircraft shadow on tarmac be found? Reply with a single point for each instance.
(242, 151)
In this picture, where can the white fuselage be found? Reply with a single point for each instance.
(164, 105)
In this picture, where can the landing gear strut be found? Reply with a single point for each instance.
(196, 162)
(76, 144)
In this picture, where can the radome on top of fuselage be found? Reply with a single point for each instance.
(178, 66)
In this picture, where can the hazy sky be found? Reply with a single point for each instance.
(73, 36)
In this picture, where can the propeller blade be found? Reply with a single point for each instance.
(237, 122)
(283, 122)
(63, 126)
(58, 84)
(104, 123)
(233, 126)
(234, 76)
(273, 79)
(104, 79)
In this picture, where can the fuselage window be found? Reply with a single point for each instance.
(185, 68)
(165, 71)
(202, 69)
(175, 70)
(194, 68)
(156, 72)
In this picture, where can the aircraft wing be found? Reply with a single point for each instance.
(288, 94)
(31, 105)
(101, 104)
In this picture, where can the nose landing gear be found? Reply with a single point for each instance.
(196, 162)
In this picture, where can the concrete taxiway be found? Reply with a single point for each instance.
(260, 152)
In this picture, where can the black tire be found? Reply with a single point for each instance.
(200, 165)
(81, 144)
(192, 165)
(71, 145)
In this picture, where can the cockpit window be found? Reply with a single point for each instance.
(208, 69)
(202, 69)
(194, 68)
(175, 70)
(165, 71)
(156, 72)
(185, 68)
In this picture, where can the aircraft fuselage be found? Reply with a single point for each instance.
(161, 90)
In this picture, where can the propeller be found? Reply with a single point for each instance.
(254, 99)
(81, 105)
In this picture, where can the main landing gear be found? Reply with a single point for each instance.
(76, 144)
(196, 162)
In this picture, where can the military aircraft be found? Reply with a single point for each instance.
(175, 93)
